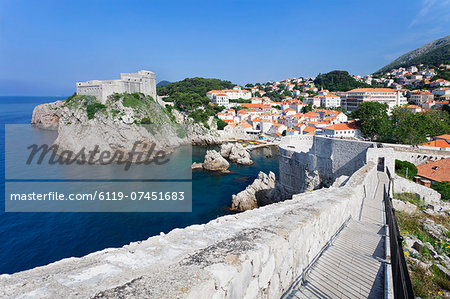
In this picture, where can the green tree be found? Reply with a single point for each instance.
(286, 93)
(414, 128)
(405, 169)
(338, 81)
(407, 128)
(443, 188)
(307, 108)
(373, 120)
(221, 124)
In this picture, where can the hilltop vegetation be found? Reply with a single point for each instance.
(145, 109)
(338, 81)
(189, 95)
(434, 53)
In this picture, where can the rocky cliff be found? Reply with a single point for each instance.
(254, 194)
(83, 122)
(199, 134)
(46, 116)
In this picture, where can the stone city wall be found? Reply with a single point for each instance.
(310, 162)
(254, 254)
(418, 155)
(429, 195)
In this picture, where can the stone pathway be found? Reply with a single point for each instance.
(352, 266)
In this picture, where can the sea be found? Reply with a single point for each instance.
(32, 239)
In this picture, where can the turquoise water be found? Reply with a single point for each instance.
(34, 239)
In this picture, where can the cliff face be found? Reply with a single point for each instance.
(198, 134)
(46, 116)
(83, 122)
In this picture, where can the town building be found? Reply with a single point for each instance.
(436, 171)
(419, 97)
(233, 94)
(220, 99)
(344, 130)
(440, 83)
(442, 91)
(390, 97)
(329, 100)
(442, 141)
(142, 81)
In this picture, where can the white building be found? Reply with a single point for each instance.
(440, 82)
(388, 96)
(142, 81)
(233, 94)
(419, 97)
(346, 130)
(412, 69)
(441, 91)
(314, 101)
(329, 100)
(220, 99)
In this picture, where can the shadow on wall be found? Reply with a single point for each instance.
(315, 163)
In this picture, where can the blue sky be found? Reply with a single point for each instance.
(47, 46)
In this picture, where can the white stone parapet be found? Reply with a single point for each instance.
(253, 254)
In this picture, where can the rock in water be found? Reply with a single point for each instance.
(196, 166)
(225, 149)
(236, 153)
(258, 191)
(46, 116)
(215, 162)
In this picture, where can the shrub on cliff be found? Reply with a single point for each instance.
(93, 108)
(443, 188)
(221, 124)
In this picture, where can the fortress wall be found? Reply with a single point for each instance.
(429, 195)
(254, 254)
(418, 155)
(304, 157)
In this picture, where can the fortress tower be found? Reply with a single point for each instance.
(142, 81)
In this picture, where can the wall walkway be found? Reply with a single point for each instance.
(352, 266)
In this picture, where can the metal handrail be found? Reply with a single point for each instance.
(401, 282)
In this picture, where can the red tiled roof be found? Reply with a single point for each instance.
(343, 126)
(437, 171)
(373, 90)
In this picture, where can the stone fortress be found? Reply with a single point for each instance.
(259, 253)
(142, 81)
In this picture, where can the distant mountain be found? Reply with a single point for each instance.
(433, 53)
(163, 83)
